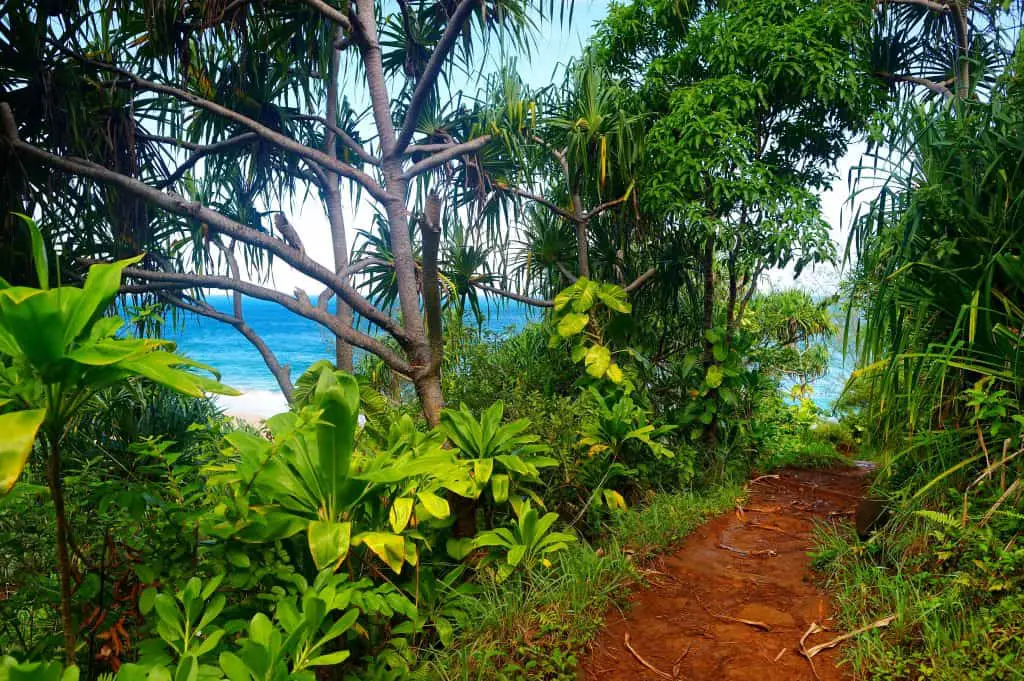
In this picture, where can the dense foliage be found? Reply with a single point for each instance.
(461, 504)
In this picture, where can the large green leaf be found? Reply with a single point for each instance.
(101, 287)
(329, 542)
(18, 434)
(571, 324)
(35, 321)
(389, 547)
(38, 251)
(598, 360)
(337, 394)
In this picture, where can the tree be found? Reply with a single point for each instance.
(750, 105)
(214, 113)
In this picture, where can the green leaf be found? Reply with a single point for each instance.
(389, 547)
(615, 298)
(329, 542)
(499, 488)
(401, 511)
(719, 351)
(714, 376)
(435, 505)
(233, 667)
(597, 360)
(19, 433)
(329, 659)
(615, 373)
(337, 394)
(238, 558)
(39, 257)
(571, 324)
(482, 469)
(101, 287)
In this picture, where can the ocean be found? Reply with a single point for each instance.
(299, 342)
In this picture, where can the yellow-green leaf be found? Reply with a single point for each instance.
(400, 513)
(389, 547)
(571, 324)
(18, 433)
(329, 542)
(435, 505)
(597, 360)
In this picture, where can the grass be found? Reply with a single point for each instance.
(956, 593)
(536, 626)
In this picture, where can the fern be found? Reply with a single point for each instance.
(941, 518)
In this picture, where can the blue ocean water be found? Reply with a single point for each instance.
(299, 342)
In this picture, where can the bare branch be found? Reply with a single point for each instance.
(594, 212)
(939, 87)
(283, 141)
(201, 151)
(431, 72)
(442, 157)
(331, 13)
(282, 373)
(535, 302)
(641, 280)
(357, 338)
(941, 7)
(179, 205)
(572, 278)
(536, 198)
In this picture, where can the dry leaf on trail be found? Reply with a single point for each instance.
(811, 652)
(758, 553)
(728, 618)
(641, 660)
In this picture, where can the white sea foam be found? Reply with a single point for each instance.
(258, 404)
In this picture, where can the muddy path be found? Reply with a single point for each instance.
(750, 564)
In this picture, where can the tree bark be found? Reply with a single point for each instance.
(709, 295)
(53, 468)
(335, 218)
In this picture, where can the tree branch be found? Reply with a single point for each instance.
(932, 85)
(282, 373)
(641, 280)
(179, 205)
(572, 278)
(941, 7)
(536, 198)
(283, 141)
(535, 302)
(331, 13)
(431, 72)
(357, 338)
(201, 151)
(442, 157)
(594, 212)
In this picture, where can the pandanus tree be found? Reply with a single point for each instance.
(183, 129)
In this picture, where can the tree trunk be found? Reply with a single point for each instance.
(730, 308)
(53, 468)
(332, 198)
(342, 310)
(428, 389)
(709, 295)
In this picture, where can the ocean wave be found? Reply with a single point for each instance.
(258, 404)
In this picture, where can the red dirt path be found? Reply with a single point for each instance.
(673, 625)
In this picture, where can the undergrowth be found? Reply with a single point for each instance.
(956, 593)
(536, 626)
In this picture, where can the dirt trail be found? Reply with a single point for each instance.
(750, 565)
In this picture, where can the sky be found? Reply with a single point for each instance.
(556, 43)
